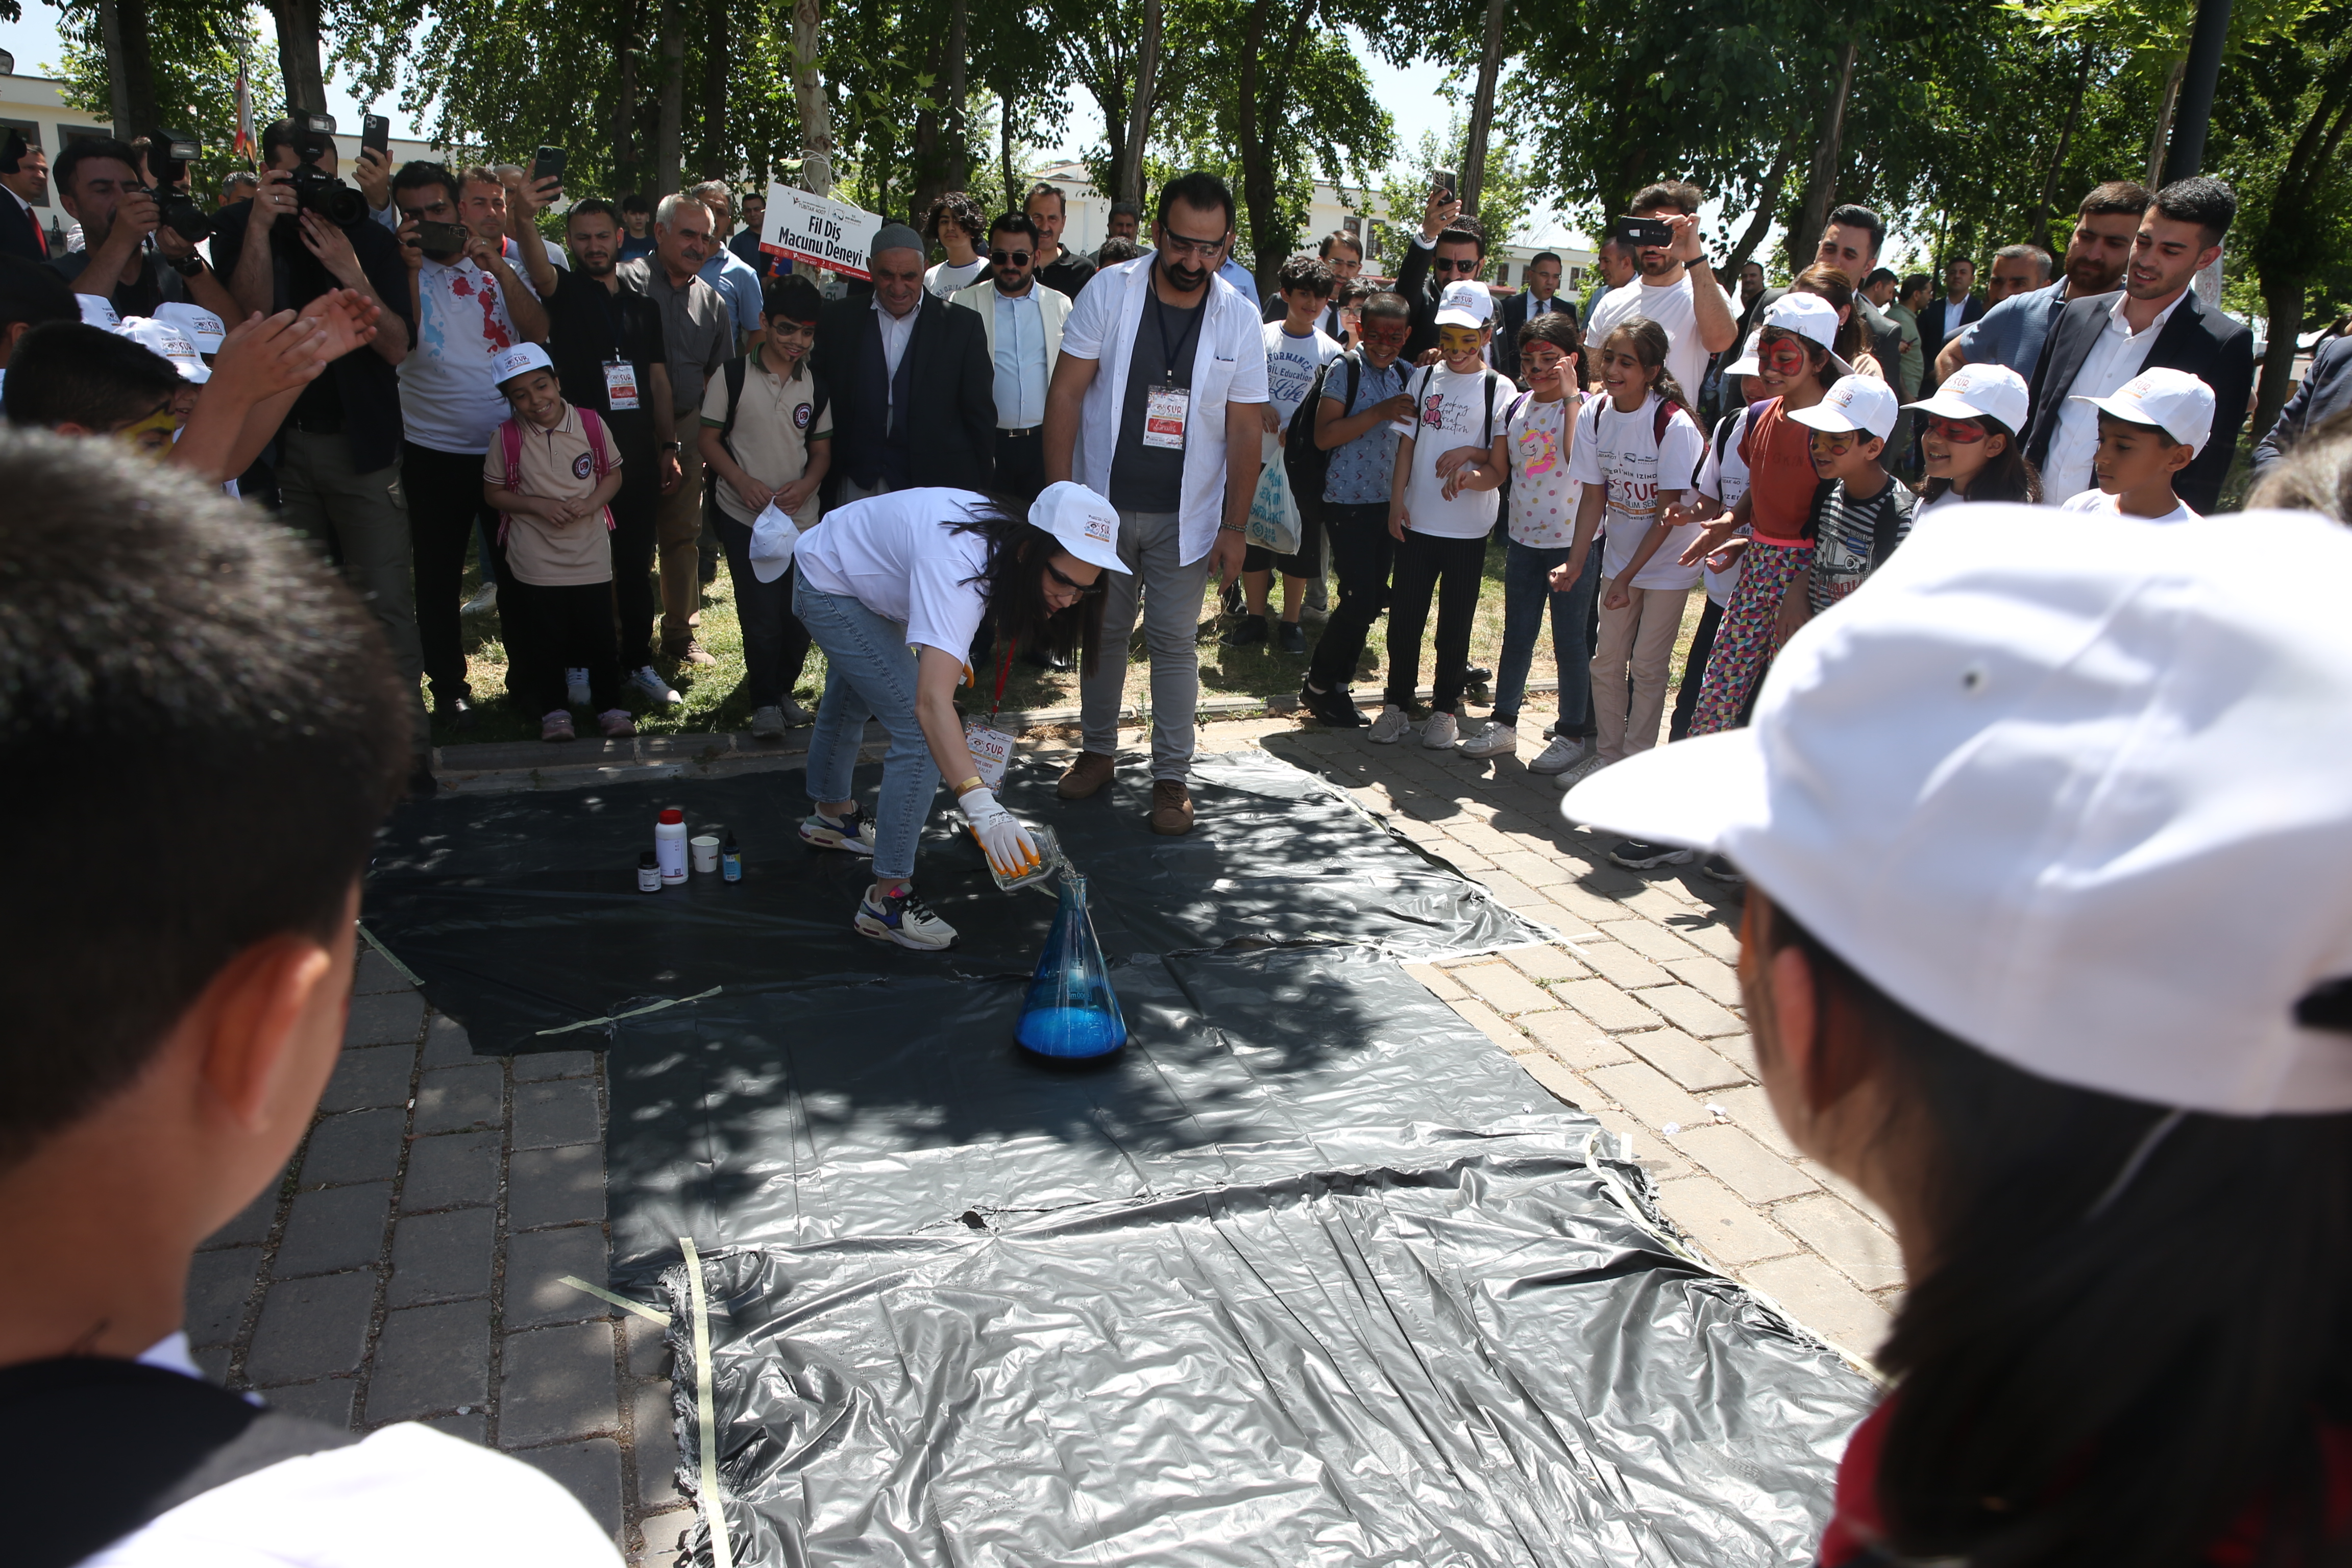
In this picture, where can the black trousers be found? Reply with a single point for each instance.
(1694, 672)
(1021, 463)
(549, 629)
(775, 643)
(1451, 571)
(1362, 552)
(635, 511)
(1307, 562)
(444, 500)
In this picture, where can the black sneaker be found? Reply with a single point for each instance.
(1478, 675)
(1247, 632)
(1722, 871)
(1290, 638)
(1334, 708)
(1636, 855)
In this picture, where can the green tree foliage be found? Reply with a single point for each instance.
(198, 46)
(1503, 204)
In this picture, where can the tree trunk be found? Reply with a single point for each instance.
(297, 54)
(928, 161)
(808, 90)
(1821, 182)
(2282, 302)
(1138, 110)
(2285, 254)
(956, 166)
(1759, 224)
(1481, 113)
(2037, 220)
(1270, 242)
(625, 106)
(670, 124)
(715, 162)
(1004, 149)
(2162, 136)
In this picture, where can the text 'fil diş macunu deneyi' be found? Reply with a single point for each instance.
(833, 235)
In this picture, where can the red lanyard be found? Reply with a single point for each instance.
(1004, 671)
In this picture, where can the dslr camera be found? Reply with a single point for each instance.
(169, 154)
(315, 189)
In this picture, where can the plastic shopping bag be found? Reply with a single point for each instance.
(1273, 512)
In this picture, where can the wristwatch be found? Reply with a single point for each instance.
(671, 447)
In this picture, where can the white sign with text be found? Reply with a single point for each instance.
(819, 230)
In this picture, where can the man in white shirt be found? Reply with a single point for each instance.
(1675, 286)
(1157, 404)
(1024, 319)
(158, 1070)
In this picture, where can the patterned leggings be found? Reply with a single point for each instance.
(1743, 643)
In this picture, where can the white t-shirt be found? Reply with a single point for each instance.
(1543, 498)
(2098, 503)
(946, 277)
(895, 556)
(1672, 308)
(1624, 452)
(449, 397)
(1724, 476)
(1290, 366)
(1451, 410)
(402, 1496)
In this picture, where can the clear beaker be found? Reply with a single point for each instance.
(1049, 859)
(1071, 1011)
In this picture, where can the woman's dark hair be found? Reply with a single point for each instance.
(1832, 283)
(959, 210)
(2088, 1374)
(1651, 345)
(1015, 584)
(2008, 474)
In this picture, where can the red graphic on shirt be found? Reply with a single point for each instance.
(494, 332)
(1432, 409)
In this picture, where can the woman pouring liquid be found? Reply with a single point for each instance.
(894, 589)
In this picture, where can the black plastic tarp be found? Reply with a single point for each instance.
(520, 912)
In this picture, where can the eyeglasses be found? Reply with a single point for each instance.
(1959, 432)
(1083, 590)
(1011, 257)
(1448, 264)
(1177, 245)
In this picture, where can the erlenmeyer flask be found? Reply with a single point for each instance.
(1070, 1010)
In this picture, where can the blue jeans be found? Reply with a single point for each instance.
(869, 673)
(1525, 585)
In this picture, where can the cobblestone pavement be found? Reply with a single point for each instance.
(409, 1265)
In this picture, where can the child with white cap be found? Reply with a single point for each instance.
(1861, 513)
(1972, 444)
(552, 473)
(2047, 947)
(2151, 429)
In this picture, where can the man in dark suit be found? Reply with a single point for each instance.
(914, 395)
(24, 176)
(1539, 298)
(1944, 317)
(2326, 391)
(1450, 248)
(2157, 321)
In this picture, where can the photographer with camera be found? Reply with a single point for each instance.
(338, 461)
(133, 258)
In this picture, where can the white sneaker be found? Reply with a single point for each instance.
(1440, 733)
(649, 680)
(904, 919)
(767, 723)
(1584, 771)
(575, 686)
(484, 602)
(1495, 740)
(1563, 753)
(1390, 727)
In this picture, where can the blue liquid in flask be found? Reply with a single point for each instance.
(1071, 1011)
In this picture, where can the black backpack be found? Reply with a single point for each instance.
(1307, 465)
(819, 395)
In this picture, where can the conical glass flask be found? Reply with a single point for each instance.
(1070, 1011)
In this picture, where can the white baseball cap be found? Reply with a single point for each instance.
(1087, 524)
(1810, 317)
(508, 364)
(169, 341)
(1981, 392)
(2075, 796)
(202, 328)
(1854, 403)
(2175, 402)
(774, 539)
(98, 310)
(1466, 304)
(1746, 364)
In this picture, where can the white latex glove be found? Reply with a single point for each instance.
(1010, 850)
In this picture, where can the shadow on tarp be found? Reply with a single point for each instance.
(1308, 1273)
(520, 911)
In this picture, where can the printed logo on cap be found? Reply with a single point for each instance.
(1098, 528)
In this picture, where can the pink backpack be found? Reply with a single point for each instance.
(592, 426)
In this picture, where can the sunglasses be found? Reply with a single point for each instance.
(1084, 589)
(1447, 264)
(1959, 432)
(1011, 257)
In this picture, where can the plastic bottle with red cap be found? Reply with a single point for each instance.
(670, 845)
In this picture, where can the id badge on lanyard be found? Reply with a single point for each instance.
(991, 747)
(1164, 409)
(620, 385)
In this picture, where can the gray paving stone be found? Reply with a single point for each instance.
(311, 1329)
(374, 973)
(547, 1115)
(669, 1538)
(1692, 1012)
(654, 1442)
(454, 1170)
(251, 1226)
(389, 1018)
(219, 1285)
(442, 1256)
(537, 1262)
(330, 1400)
(431, 1359)
(212, 1360)
(589, 1471)
(355, 1146)
(376, 1076)
(474, 1425)
(533, 1067)
(333, 1228)
(648, 1345)
(1749, 1169)
(453, 1098)
(447, 1043)
(556, 1385)
(555, 1187)
(1683, 1059)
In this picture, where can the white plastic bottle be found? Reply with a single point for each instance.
(670, 843)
